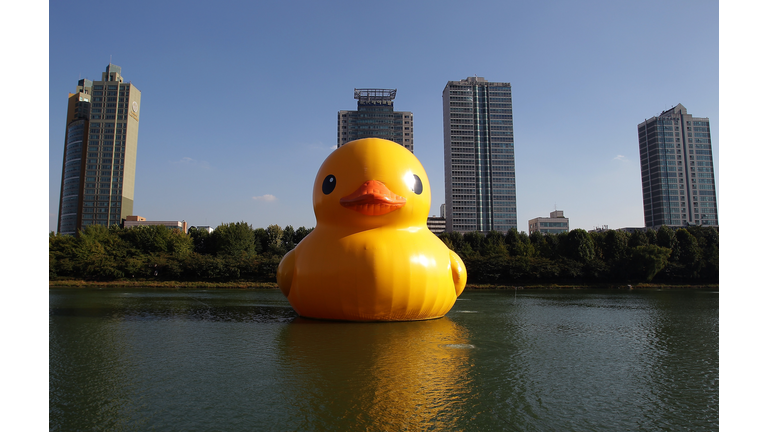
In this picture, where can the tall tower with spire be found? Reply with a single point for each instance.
(100, 143)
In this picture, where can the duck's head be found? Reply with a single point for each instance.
(370, 183)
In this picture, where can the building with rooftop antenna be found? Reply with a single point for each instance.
(375, 118)
(677, 170)
(556, 223)
(100, 143)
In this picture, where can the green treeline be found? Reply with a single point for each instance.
(232, 252)
(687, 255)
(235, 251)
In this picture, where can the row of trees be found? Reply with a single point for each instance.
(236, 251)
(689, 255)
(233, 251)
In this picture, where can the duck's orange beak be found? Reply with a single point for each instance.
(372, 199)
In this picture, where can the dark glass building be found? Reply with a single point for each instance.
(376, 118)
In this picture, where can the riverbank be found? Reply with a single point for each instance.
(273, 285)
(161, 284)
(640, 286)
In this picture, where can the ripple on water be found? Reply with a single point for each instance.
(458, 346)
(242, 361)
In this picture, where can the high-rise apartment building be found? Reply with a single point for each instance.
(479, 156)
(99, 166)
(677, 170)
(376, 118)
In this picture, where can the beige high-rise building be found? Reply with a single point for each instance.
(100, 142)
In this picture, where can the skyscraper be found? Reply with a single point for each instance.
(99, 166)
(376, 118)
(479, 156)
(677, 170)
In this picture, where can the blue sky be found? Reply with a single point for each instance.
(239, 100)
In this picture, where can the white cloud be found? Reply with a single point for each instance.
(319, 146)
(267, 197)
(188, 161)
(620, 158)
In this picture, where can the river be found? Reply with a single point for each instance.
(525, 360)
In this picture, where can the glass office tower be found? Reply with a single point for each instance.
(677, 170)
(375, 118)
(479, 156)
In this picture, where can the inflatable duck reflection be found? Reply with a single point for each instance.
(371, 256)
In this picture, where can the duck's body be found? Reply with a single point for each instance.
(371, 256)
(375, 275)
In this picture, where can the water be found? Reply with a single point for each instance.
(500, 360)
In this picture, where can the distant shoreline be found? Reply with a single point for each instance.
(272, 285)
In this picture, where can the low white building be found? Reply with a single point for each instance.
(556, 223)
(132, 221)
(203, 228)
(436, 224)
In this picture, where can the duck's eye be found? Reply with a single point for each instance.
(417, 186)
(329, 184)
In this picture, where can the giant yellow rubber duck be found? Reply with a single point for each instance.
(371, 256)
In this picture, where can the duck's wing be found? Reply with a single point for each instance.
(285, 272)
(458, 271)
